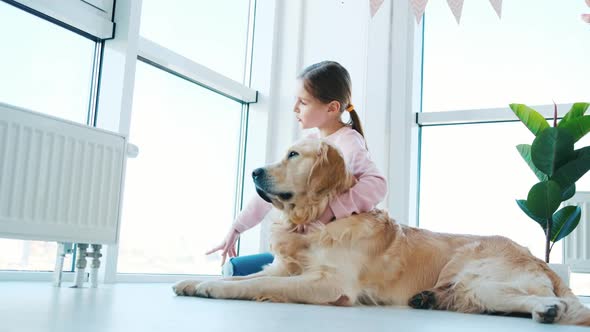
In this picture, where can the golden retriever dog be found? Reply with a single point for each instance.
(370, 259)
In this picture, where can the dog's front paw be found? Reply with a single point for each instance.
(210, 289)
(185, 287)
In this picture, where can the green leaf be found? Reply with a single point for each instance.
(564, 222)
(577, 110)
(577, 127)
(552, 149)
(525, 152)
(582, 151)
(531, 118)
(523, 206)
(571, 172)
(568, 192)
(544, 199)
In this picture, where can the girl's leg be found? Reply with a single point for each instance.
(246, 265)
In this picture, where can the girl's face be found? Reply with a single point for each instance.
(311, 112)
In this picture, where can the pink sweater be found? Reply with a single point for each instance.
(362, 197)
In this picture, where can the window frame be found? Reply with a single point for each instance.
(91, 19)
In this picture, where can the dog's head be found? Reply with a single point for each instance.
(302, 183)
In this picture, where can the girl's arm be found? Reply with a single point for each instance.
(252, 214)
(370, 189)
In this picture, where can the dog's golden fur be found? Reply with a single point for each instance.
(370, 259)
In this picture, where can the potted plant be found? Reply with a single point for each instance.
(557, 165)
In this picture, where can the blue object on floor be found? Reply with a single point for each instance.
(245, 265)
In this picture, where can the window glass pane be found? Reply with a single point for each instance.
(47, 69)
(580, 283)
(471, 176)
(179, 191)
(30, 256)
(537, 52)
(212, 33)
(43, 67)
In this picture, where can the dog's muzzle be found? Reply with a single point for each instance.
(263, 186)
(259, 177)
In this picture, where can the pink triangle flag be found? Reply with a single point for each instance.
(497, 4)
(456, 7)
(375, 5)
(419, 6)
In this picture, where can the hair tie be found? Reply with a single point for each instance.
(350, 108)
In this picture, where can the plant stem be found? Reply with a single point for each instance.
(548, 240)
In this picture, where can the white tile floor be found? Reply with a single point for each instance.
(32, 307)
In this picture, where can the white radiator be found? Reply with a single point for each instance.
(576, 249)
(59, 181)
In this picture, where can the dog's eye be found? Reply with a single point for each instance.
(292, 154)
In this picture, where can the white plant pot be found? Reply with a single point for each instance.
(563, 271)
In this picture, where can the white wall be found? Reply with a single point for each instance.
(307, 32)
(337, 30)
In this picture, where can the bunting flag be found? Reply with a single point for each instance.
(419, 6)
(456, 7)
(497, 4)
(375, 5)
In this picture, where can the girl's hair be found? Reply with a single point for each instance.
(328, 81)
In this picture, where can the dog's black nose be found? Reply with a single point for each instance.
(258, 173)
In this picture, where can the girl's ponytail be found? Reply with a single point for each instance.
(355, 121)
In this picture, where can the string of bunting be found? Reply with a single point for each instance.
(419, 6)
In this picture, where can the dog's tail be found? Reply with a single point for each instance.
(575, 313)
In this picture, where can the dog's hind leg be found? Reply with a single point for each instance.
(490, 297)
(475, 293)
(503, 297)
(515, 283)
(442, 295)
(431, 298)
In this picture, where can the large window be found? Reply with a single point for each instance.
(471, 176)
(537, 52)
(47, 69)
(43, 67)
(471, 173)
(211, 33)
(189, 119)
(184, 187)
(180, 190)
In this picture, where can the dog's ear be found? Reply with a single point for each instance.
(329, 172)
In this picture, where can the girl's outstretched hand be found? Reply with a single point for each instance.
(227, 247)
(586, 17)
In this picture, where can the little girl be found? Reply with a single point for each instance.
(324, 93)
